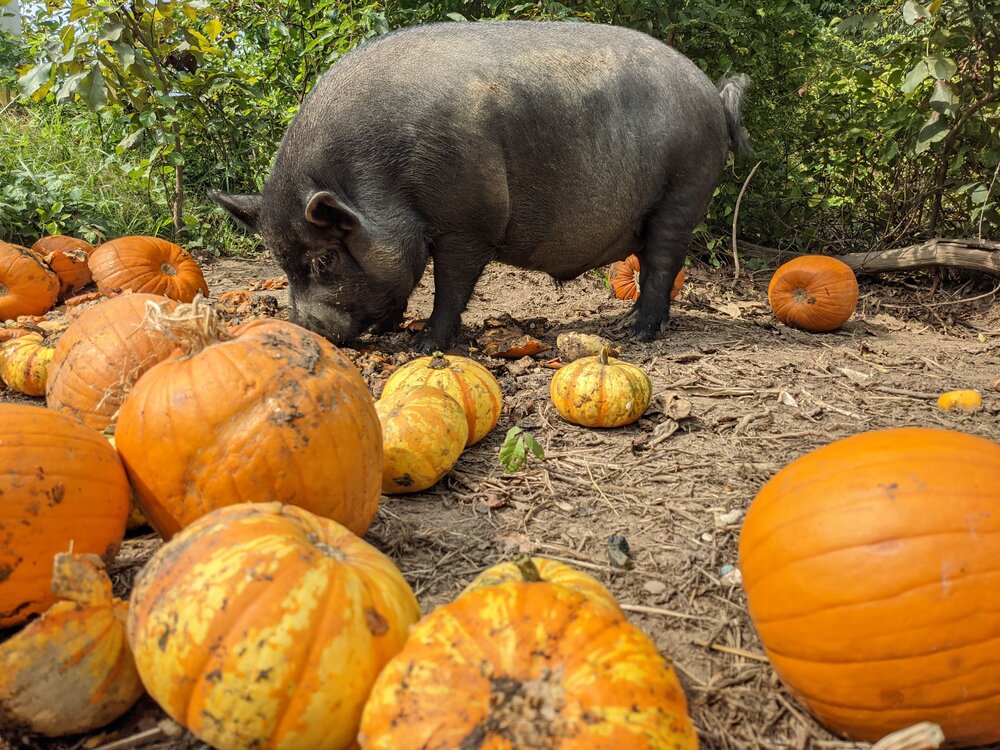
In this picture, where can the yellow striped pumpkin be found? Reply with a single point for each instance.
(262, 625)
(600, 391)
(543, 569)
(527, 665)
(24, 363)
(465, 380)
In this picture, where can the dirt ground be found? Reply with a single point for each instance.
(760, 394)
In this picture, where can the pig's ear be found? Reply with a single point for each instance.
(324, 210)
(244, 208)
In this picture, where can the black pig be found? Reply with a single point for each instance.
(552, 146)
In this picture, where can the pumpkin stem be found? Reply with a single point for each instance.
(529, 572)
(438, 362)
(195, 325)
(602, 357)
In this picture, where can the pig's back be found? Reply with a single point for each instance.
(539, 136)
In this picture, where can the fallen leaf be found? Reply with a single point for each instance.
(654, 587)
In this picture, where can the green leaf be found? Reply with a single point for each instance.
(125, 52)
(933, 131)
(940, 66)
(457, 17)
(914, 12)
(943, 99)
(69, 86)
(35, 79)
(512, 455)
(934, 7)
(533, 445)
(213, 28)
(915, 77)
(93, 90)
(111, 32)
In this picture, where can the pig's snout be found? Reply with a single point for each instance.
(324, 319)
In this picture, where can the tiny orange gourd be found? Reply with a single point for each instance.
(149, 265)
(624, 279)
(68, 257)
(600, 391)
(27, 285)
(71, 670)
(881, 549)
(527, 665)
(63, 488)
(265, 411)
(424, 431)
(25, 361)
(813, 292)
(465, 380)
(263, 625)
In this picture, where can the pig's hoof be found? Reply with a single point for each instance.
(428, 344)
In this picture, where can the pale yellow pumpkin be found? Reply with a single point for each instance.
(24, 363)
(423, 433)
(600, 391)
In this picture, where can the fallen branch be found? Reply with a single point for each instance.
(971, 254)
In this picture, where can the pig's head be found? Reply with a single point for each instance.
(346, 274)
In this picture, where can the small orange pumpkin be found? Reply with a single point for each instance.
(263, 625)
(71, 670)
(147, 264)
(24, 363)
(872, 572)
(62, 487)
(424, 431)
(600, 391)
(813, 292)
(68, 257)
(624, 279)
(27, 285)
(464, 379)
(101, 354)
(264, 411)
(527, 665)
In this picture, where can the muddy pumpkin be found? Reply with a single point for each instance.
(27, 285)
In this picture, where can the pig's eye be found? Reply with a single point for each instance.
(320, 262)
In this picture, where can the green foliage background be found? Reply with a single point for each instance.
(875, 124)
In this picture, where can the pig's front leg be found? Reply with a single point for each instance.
(458, 263)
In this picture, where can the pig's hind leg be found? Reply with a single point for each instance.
(666, 236)
(458, 263)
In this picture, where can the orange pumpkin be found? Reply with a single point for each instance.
(464, 379)
(871, 568)
(533, 569)
(71, 670)
(101, 354)
(813, 292)
(265, 411)
(27, 285)
(600, 391)
(263, 625)
(526, 665)
(624, 279)
(24, 363)
(62, 487)
(68, 257)
(147, 264)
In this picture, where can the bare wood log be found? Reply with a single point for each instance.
(975, 255)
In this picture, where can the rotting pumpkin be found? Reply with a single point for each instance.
(68, 257)
(264, 411)
(27, 285)
(263, 625)
(62, 487)
(872, 571)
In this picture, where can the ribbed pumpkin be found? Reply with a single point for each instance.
(71, 670)
(424, 431)
(265, 411)
(600, 391)
(526, 665)
(62, 487)
(101, 355)
(68, 257)
(872, 573)
(27, 285)
(542, 569)
(813, 292)
(465, 380)
(147, 264)
(263, 625)
(624, 279)
(24, 363)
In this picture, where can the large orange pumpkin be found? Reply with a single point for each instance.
(68, 257)
(147, 264)
(814, 293)
(527, 665)
(62, 487)
(264, 626)
(872, 573)
(71, 670)
(464, 379)
(267, 411)
(27, 285)
(101, 354)
(624, 279)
